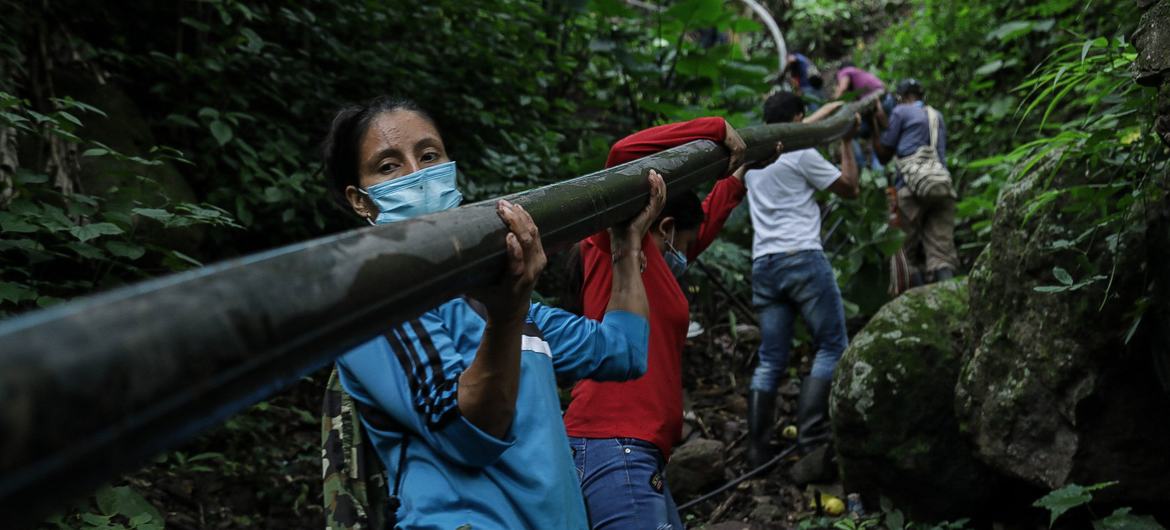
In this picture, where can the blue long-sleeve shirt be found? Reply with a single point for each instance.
(910, 129)
(455, 474)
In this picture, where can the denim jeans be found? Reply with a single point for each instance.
(624, 484)
(787, 283)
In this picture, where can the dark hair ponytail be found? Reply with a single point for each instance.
(339, 151)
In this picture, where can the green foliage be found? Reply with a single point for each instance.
(975, 60)
(1060, 501)
(112, 508)
(1093, 118)
(1071, 496)
(58, 243)
(833, 28)
(1121, 519)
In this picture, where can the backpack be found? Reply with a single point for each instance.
(356, 497)
(925, 175)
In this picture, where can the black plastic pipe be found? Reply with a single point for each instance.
(91, 388)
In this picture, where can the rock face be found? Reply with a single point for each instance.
(1051, 392)
(1152, 65)
(892, 408)
(695, 466)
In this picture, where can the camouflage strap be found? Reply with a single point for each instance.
(355, 488)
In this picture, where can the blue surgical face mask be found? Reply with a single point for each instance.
(675, 260)
(425, 191)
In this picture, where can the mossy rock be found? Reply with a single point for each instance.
(892, 408)
(1052, 392)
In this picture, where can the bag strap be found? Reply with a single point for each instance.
(384, 421)
(932, 119)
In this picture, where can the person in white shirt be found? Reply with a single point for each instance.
(791, 276)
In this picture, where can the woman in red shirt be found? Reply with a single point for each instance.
(621, 433)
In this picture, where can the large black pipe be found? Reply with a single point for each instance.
(92, 387)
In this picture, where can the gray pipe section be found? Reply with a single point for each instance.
(91, 388)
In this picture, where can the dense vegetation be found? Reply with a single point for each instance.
(136, 141)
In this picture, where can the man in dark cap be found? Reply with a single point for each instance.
(916, 138)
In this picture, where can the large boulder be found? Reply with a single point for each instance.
(1152, 64)
(1066, 329)
(893, 413)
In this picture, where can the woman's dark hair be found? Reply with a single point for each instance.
(782, 107)
(685, 208)
(339, 151)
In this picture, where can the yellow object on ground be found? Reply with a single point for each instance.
(832, 505)
(789, 432)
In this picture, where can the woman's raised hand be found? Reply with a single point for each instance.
(511, 297)
(736, 146)
(630, 233)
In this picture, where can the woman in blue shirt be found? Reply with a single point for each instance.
(461, 403)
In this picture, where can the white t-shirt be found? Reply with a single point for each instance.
(784, 214)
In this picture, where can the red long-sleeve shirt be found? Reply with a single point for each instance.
(648, 408)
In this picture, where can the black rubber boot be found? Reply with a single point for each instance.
(944, 274)
(812, 415)
(761, 409)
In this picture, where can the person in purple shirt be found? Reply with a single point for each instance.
(930, 229)
(853, 79)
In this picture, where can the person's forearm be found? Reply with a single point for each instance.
(882, 121)
(627, 293)
(883, 155)
(820, 113)
(849, 166)
(488, 388)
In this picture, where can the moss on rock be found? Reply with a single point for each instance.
(892, 407)
(1051, 392)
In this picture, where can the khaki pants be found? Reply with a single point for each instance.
(930, 232)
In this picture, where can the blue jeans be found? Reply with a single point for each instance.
(624, 484)
(784, 284)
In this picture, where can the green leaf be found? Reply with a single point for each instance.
(12, 224)
(122, 249)
(27, 245)
(16, 292)
(1062, 276)
(895, 520)
(93, 230)
(186, 258)
(95, 151)
(94, 520)
(1064, 499)
(123, 500)
(1010, 30)
(990, 68)
(221, 131)
(46, 301)
(1121, 519)
(28, 177)
(86, 250)
(154, 213)
(179, 119)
